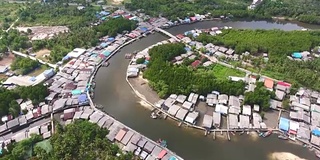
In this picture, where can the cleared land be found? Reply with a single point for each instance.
(42, 54)
(43, 32)
(222, 72)
(7, 60)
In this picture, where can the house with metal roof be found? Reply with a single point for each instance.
(207, 121)
(221, 109)
(223, 99)
(246, 110)
(192, 117)
(173, 110)
(233, 121)
(181, 113)
(216, 119)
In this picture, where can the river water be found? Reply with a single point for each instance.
(114, 93)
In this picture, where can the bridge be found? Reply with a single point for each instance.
(167, 33)
(34, 58)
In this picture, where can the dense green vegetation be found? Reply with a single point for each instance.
(56, 14)
(88, 143)
(260, 96)
(8, 103)
(166, 78)
(303, 10)
(117, 25)
(173, 8)
(14, 40)
(8, 13)
(24, 65)
(278, 44)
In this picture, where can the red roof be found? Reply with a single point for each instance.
(120, 135)
(268, 83)
(284, 84)
(292, 132)
(195, 63)
(180, 36)
(193, 18)
(162, 154)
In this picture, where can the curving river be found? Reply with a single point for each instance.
(114, 93)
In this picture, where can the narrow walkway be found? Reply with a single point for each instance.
(167, 33)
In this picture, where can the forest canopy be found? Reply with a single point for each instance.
(166, 78)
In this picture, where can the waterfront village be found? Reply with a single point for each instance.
(71, 89)
(217, 112)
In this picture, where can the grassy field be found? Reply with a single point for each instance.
(222, 72)
(9, 10)
(38, 71)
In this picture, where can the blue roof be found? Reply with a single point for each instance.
(48, 71)
(33, 79)
(117, 16)
(297, 55)
(110, 39)
(106, 53)
(284, 124)
(83, 98)
(186, 33)
(76, 92)
(172, 158)
(104, 13)
(146, 62)
(66, 58)
(187, 48)
(192, 43)
(316, 132)
(103, 44)
(144, 29)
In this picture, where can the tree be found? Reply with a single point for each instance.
(29, 31)
(140, 60)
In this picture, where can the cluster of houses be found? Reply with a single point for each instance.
(127, 139)
(209, 49)
(304, 119)
(183, 108)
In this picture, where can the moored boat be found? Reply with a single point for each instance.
(268, 133)
(162, 143)
(154, 115)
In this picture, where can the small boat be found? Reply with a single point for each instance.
(154, 115)
(268, 133)
(162, 143)
(284, 137)
(261, 134)
(106, 64)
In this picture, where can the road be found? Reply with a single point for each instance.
(34, 58)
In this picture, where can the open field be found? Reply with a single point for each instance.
(8, 10)
(42, 54)
(7, 60)
(43, 32)
(37, 71)
(222, 72)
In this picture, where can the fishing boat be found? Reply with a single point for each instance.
(268, 133)
(162, 143)
(284, 137)
(154, 115)
(106, 64)
(261, 134)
